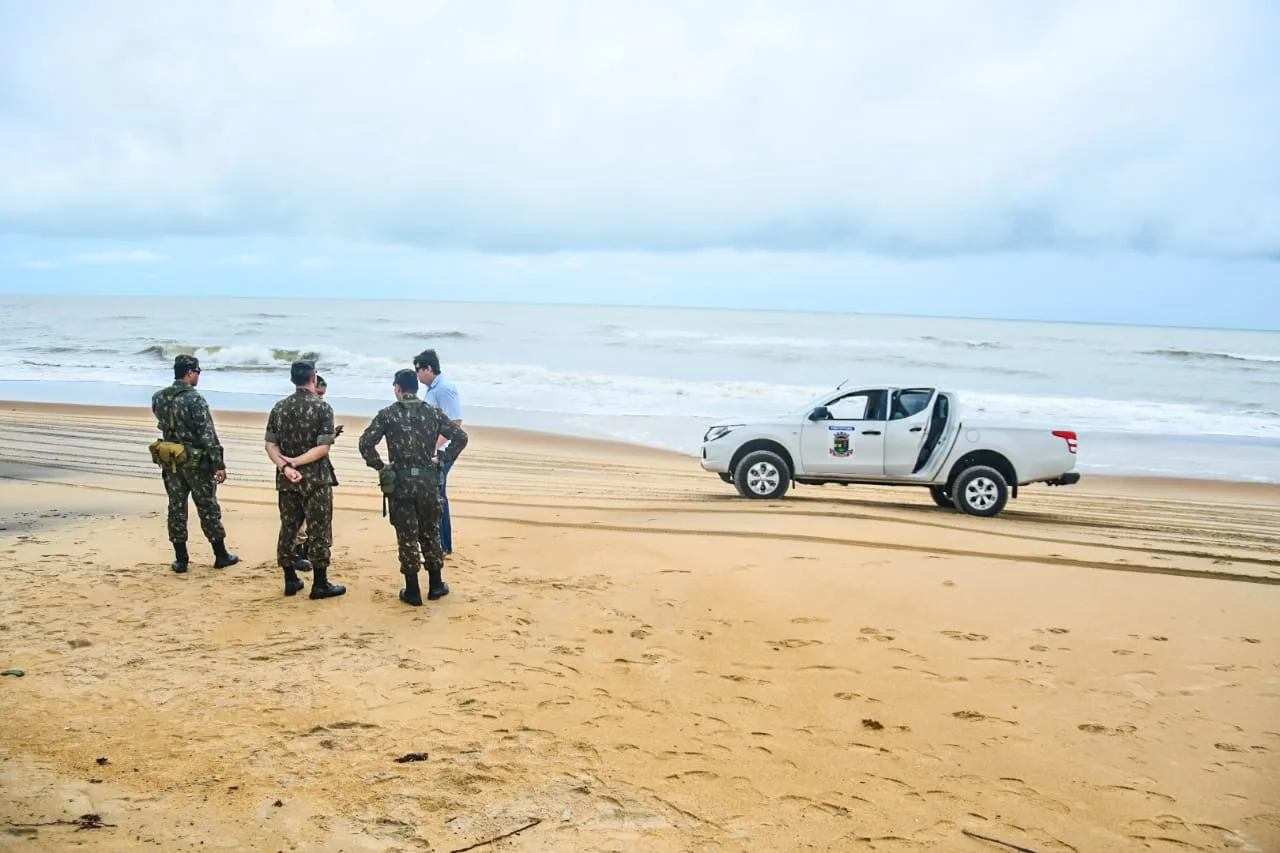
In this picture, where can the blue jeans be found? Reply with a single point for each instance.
(446, 527)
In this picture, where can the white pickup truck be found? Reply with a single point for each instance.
(890, 436)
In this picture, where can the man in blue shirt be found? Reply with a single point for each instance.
(442, 393)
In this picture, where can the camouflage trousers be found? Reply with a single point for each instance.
(196, 482)
(311, 504)
(415, 512)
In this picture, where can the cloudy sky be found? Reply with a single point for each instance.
(1110, 161)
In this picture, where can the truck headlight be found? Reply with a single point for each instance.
(719, 432)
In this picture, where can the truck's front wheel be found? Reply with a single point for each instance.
(762, 474)
(980, 490)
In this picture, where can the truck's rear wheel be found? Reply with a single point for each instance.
(763, 475)
(942, 497)
(980, 490)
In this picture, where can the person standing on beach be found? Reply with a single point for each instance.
(184, 419)
(302, 561)
(299, 434)
(411, 482)
(442, 393)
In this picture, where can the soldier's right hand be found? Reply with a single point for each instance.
(220, 476)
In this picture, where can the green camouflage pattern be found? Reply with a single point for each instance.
(412, 429)
(296, 424)
(192, 423)
(196, 481)
(415, 513)
(312, 505)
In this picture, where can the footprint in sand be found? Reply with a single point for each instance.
(744, 679)
(639, 633)
(1095, 729)
(959, 635)
(778, 645)
(978, 715)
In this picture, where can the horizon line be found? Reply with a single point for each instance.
(658, 306)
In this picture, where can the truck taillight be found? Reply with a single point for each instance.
(1070, 437)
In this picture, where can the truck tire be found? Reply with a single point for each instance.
(762, 475)
(942, 497)
(980, 490)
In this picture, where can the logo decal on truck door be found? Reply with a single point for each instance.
(840, 445)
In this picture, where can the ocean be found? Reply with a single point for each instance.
(1200, 403)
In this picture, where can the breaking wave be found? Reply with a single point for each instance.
(1199, 355)
(250, 358)
(451, 334)
(966, 344)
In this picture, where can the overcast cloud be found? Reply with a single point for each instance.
(901, 129)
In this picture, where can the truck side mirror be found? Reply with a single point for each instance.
(822, 413)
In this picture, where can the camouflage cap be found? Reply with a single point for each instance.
(184, 364)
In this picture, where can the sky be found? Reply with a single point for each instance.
(1095, 161)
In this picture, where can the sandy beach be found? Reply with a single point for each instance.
(632, 659)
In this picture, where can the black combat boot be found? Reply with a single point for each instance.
(300, 557)
(221, 559)
(292, 583)
(438, 588)
(180, 557)
(321, 588)
(412, 593)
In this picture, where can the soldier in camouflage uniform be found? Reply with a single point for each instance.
(299, 435)
(412, 429)
(303, 563)
(183, 417)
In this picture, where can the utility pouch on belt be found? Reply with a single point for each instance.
(387, 481)
(169, 453)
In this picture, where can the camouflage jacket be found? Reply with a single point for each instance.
(296, 424)
(412, 429)
(192, 422)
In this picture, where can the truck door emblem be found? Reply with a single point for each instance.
(840, 446)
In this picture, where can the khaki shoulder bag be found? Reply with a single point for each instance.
(171, 453)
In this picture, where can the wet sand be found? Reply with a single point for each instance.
(634, 659)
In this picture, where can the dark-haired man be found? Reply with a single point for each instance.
(442, 393)
(411, 481)
(192, 463)
(299, 435)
